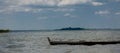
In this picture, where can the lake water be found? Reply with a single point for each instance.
(36, 41)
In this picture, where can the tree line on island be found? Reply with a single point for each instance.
(2, 31)
(79, 28)
(70, 28)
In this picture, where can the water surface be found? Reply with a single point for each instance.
(36, 41)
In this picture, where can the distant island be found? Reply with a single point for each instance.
(78, 28)
(3, 31)
(70, 28)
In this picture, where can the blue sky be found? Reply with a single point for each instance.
(53, 14)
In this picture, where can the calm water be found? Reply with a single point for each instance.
(36, 42)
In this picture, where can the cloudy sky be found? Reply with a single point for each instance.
(53, 14)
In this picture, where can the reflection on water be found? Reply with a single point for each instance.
(36, 42)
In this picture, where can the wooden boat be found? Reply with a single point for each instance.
(81, 42)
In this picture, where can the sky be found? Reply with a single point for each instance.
(54, 14)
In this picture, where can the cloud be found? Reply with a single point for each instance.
(97, 3)
(104, 12)
(73, 2)
(37, 2)
(50, 2)
(117, 13)
(11, 9)
(69, 15)
(64, 9)
(9, 6)
(47, 2)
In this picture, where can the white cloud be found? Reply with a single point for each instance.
(97, 3)
(104, 12)
(118, 13)
(69, 15)
(38, 2)
(51, 2)
(64, 9)
(28, 5)
(47, 2)
(72, 2)
(11, 9)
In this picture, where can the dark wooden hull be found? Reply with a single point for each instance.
(81, 43)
